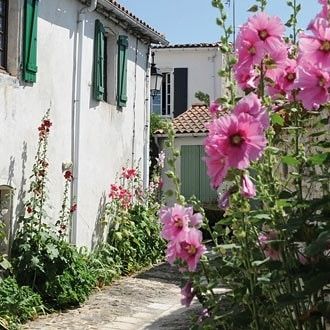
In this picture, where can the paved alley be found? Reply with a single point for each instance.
(149, 300)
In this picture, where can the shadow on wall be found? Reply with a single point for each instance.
(99, 234)
(22, 189)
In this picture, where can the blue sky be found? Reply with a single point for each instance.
(193, 21)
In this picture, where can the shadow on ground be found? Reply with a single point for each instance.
(162, 273)
(180, 319)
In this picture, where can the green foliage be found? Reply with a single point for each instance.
(17, 304)
(52, 267)
(156, 122)
(135, 238)
(203, 97)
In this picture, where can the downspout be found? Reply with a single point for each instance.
(76, 109)
(146, 149)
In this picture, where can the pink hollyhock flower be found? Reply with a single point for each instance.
(245, 77)
(269, 30)
(188, 294)
(266, 245)
(172, 252)
(314, 83)
(217, 168)
(223, 200)
(128, 173)
(214, 108)
(284, 81)
(251, 105)
(240, 138)
(248, 189)
(191, 249)
(175, 222)
(316, 48)
(247, 47)
(275, 60)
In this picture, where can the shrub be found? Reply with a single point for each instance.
(17, 304)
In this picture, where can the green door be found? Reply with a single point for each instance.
(194, 179)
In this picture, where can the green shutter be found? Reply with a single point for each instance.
(99, 62)
(30, 67)
(194, 178)
(122, 71)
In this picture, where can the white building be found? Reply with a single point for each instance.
(187, 69)
(88, 61)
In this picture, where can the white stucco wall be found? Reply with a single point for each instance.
(203, 65)
(106, 133)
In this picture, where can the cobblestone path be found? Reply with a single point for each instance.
(149, 300)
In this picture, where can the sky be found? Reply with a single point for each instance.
(193, 21)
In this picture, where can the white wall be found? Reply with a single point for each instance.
(203, 65)
(106, 133)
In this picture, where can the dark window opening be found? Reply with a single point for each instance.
(3, 33)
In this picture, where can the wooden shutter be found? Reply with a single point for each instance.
(99, 62)
(122, 71)
(180, 90)
(194, 178)
(30, 67)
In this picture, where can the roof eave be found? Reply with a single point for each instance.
(148, 33)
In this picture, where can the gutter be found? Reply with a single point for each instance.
(76, 110)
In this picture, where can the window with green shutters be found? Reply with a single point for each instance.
(30, 67)
(122, 71)
(99, 70)
(194, 178)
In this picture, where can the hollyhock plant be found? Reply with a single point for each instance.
(240, 138)
(265, 243)
(223, 200)
(177, 221)
(188, 294)
(214, 108)
(248, 190)
(191, 248)
(313, 82)
(315, 48)
(217, 166)
(251, 105)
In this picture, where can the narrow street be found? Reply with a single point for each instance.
(149, 300)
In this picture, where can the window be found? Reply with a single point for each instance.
(173, 98)
(3, 33)
(166, 95)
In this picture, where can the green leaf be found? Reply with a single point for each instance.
(5, 264)
(277, 119)
(290, 160)
(253, 9)
(318, 159)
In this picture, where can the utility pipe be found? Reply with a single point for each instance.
(76, 109)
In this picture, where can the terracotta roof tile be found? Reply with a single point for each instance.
(192, 121)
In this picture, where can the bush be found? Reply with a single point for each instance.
(17, 304)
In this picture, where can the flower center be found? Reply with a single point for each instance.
(178, 222)
(291, 76)
(263, 34)
(322, 82)
(191, 249)
(252, 50)
(325, 47)
(236, 140)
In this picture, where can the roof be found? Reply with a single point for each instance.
(115, 11)
(197, 45)
(192, 121)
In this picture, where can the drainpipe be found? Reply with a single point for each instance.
(76, 109)
(146, 150)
